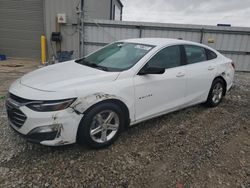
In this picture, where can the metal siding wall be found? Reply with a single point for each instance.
(108, 34)
(69, 31)
(115, 2)
(229, 42)
(233, 42)
(192, 36)
(238, 43)
(96, 9)
(91, 48)
(241, 61)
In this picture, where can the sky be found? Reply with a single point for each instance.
(208, 12)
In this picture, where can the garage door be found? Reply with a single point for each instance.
(21, 25)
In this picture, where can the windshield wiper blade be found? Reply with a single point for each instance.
(93, 65)
(96, 66)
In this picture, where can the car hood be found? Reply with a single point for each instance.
(63, 76)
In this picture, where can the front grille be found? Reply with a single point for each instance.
(15, 116)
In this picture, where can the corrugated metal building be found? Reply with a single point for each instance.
(22, 22)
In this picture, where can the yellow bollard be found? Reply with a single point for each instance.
(43, 49)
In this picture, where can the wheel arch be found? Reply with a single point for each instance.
(114, 101)
(84, 105)
(80, 138)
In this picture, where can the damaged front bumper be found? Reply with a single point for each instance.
(43, 133)
(38, 136)
(49, 128)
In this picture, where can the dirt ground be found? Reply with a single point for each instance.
(195, 147)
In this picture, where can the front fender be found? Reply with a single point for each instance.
(84, 103)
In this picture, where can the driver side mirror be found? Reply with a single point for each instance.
(151, 70)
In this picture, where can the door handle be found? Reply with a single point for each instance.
(180, 74)
(210, 68)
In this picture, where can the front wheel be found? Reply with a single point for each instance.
(101, 125)
(216, 93)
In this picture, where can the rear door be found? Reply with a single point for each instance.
(160, 93)
(200, 74)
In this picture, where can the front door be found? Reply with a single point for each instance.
(156, 94)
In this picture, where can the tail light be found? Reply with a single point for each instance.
(233, 65)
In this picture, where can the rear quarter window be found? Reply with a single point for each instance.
(195, 54)
(210, 54)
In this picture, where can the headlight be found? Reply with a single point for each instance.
(48, 106)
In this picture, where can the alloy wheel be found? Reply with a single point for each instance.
(217, 92)
(104, 126)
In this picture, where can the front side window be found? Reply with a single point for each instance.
(195, 54)
(167, 58)
(119, 56)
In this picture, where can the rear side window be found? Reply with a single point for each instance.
(195, 54)
(210, 54)
(169, 57)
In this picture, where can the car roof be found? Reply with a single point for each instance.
(159, 41)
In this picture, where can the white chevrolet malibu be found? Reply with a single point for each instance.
(91, 100)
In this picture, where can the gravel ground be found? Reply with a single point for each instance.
(194, 147)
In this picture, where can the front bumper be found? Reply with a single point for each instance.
(37, 137)
(27, 120)
(46, 128)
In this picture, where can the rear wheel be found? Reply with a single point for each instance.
(101, 125)
(216, 93)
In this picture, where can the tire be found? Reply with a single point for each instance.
(104, 117)
(216, 93)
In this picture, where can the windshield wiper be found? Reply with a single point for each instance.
(93, 65)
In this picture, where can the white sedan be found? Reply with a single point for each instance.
(91, 100)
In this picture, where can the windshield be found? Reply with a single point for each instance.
(118, 56)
